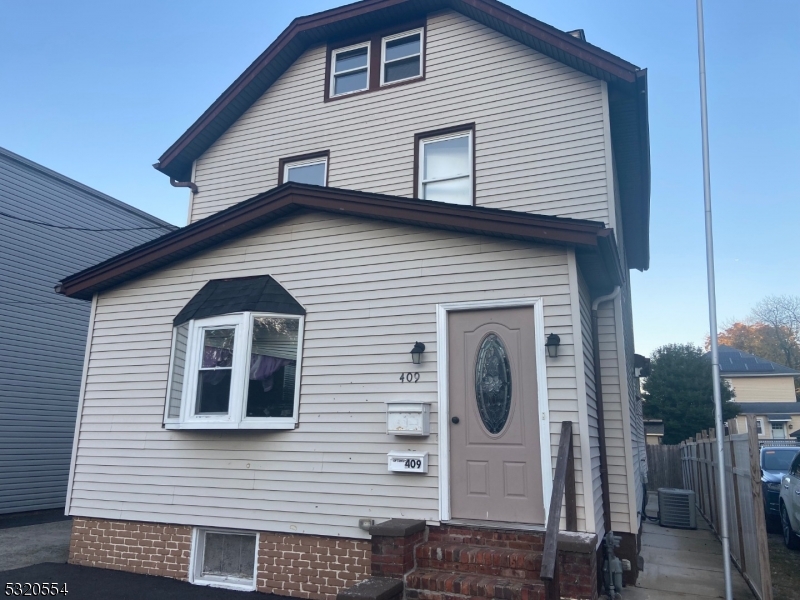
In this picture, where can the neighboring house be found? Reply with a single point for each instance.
(45, 223)
(654, 431)
(762, 388)
(396, 207)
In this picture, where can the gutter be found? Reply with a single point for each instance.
(601, 422)
(181, 184)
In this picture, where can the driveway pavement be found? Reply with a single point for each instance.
(33, 544)
(87, 583)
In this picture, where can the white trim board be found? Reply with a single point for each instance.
(86, 354)
(443, 392)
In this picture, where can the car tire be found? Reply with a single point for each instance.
(789, 535)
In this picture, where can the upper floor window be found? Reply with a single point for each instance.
(445, 169)
(376, 61)
(401, 56)
(311, 170)
(350, 69)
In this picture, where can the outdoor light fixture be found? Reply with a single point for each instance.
(552, 345)
(416, 352)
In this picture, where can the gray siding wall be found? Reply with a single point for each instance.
(44, 334)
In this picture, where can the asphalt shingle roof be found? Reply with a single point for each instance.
(763, 408)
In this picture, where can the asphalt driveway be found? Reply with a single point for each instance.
(87, 583)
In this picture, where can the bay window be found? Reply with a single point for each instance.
(236, 371)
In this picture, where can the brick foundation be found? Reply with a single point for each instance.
(301, 566)
(310, 566)
(147, 548)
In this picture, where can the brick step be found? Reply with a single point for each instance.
(422, 584)
(500, 538)
(483, 560)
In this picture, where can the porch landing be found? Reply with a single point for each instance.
(682, 564)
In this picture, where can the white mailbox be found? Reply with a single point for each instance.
(408, 418)
(408, 462)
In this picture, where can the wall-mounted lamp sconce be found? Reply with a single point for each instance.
(416, 352)
(552, 344)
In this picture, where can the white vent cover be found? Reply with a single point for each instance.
(676, 508)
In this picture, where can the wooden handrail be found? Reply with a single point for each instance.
(564, 480)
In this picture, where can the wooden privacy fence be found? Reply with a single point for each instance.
(663, 467)
(747, 525)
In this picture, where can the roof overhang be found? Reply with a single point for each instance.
(627, 90)
(595, 246)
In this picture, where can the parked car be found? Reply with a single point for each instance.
(775, 463)
(790, 505)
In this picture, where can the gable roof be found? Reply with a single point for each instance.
(595, 245)
(738, 363)
(772, 408)
(627, 90)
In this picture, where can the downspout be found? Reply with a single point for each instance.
(601, 422)
(183, 184)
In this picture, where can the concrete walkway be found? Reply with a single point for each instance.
(34, 544)
(682, 564)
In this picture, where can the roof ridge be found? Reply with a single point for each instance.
(28, 163)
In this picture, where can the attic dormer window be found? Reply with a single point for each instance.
(350, 69)
(401, 57)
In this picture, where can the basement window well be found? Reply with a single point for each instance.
(223, 558)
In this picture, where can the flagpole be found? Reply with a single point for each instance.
(712, 311)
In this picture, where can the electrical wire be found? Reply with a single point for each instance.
(54, 226)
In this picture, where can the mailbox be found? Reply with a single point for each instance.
(408, 418)
(408, 462)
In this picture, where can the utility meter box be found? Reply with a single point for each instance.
(408, 462)
(408, 418)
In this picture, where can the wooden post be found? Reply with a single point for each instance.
(737, 501)
(569, 491)
(758, 503)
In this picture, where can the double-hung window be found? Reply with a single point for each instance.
(313, 171)
(401, 56)
(350, 70)
(445, 168)
(237, 371)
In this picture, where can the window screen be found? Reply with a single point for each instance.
(402, 57)
(447, 169)
(311, 172)
(350, 70)
(228, 555)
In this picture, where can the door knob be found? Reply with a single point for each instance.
(455, 420)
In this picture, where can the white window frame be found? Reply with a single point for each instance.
(196, 561)
(236, 418)
(421, 54)
(470, 169)
(760, 426)
(332, 83)
(305, 163)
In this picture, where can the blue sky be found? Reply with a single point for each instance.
(98, 90)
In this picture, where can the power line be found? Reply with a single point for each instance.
(54, 226)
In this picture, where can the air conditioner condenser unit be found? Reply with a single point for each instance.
(676, 508)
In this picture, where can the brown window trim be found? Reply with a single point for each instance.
(418, 137)
(375, 51)
(326, 154)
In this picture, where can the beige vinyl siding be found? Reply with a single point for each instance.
(637, 435)
(763, 389)
(617, 455)
(591, 403)
(540, 143)
(370, 289)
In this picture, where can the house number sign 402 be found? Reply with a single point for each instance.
(409, 377)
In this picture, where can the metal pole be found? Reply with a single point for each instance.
(712, 312)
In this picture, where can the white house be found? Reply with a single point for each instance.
(406, 266)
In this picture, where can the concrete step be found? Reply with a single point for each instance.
(483, 560)
(422, 584)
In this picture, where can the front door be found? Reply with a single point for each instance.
(495, 463)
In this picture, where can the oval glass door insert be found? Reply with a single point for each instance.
(493, 383)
